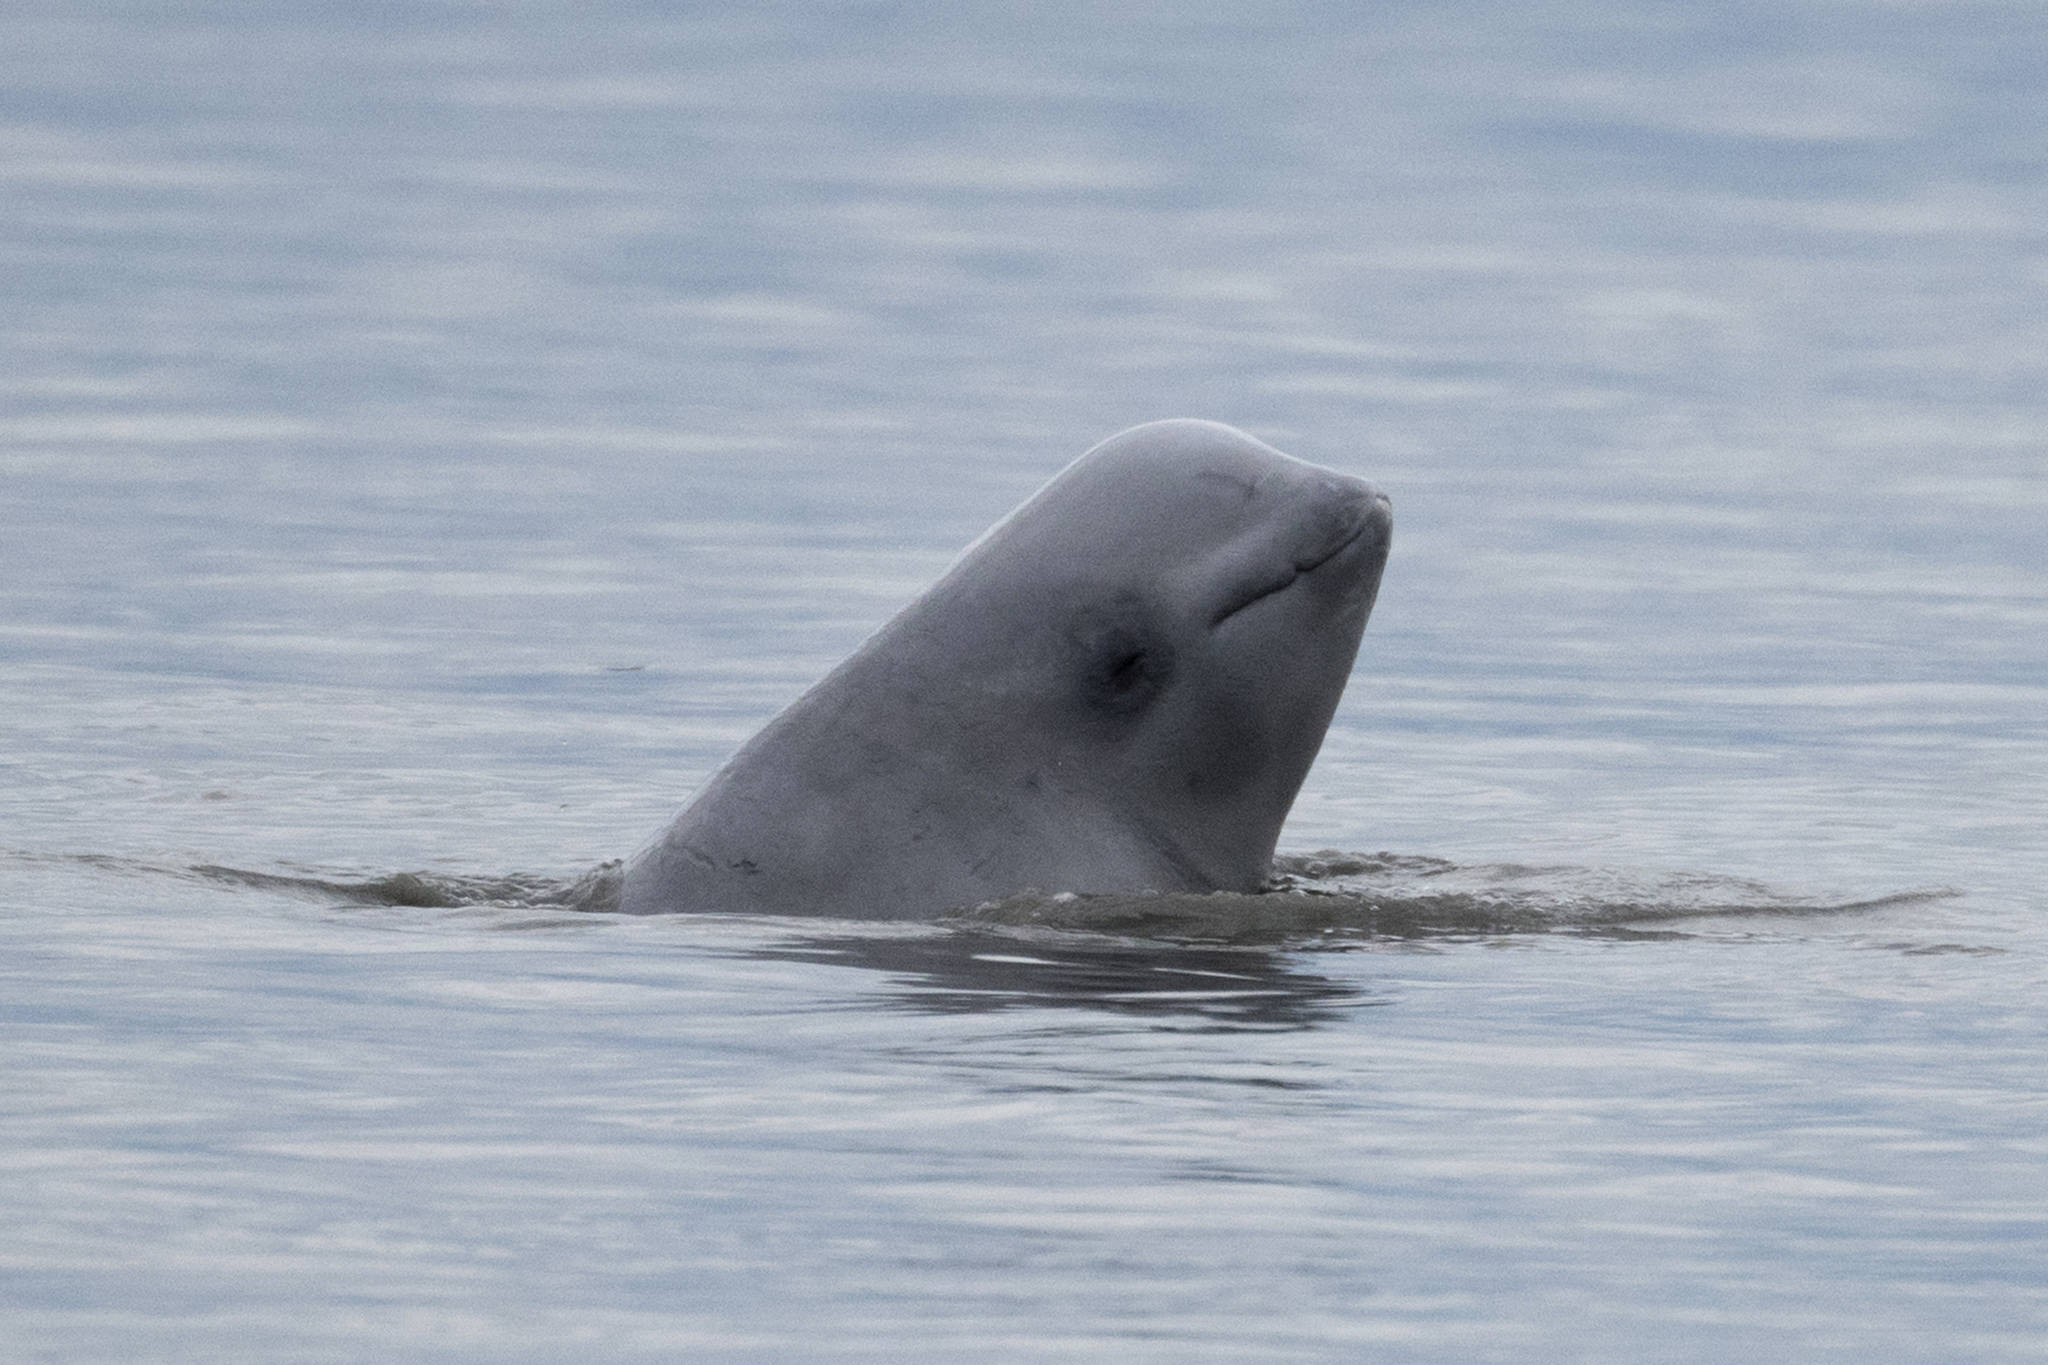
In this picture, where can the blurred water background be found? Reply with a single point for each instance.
(433, 435)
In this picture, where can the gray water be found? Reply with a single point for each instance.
(432, 436)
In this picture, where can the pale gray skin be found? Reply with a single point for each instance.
(1120, 687)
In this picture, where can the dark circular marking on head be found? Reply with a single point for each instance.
(1125, 661)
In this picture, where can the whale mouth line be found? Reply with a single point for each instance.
(1261, 589)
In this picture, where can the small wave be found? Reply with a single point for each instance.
(1323, 897)
(1331, 895)
(595, 890)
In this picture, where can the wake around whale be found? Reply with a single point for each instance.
(1118, 688)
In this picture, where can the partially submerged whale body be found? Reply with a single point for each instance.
(1118, 688)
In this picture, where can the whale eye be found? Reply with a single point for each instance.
(1126, 673)
(1123, 670)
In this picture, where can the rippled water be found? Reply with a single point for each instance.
(432, 437)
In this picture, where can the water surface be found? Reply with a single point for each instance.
(432, 437)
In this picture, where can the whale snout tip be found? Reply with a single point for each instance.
(1351, 512)
(1379, 510)
(1365, 508)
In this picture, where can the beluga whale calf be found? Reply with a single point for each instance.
(1118, 688)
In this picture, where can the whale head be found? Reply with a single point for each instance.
(1119, 687)
(1171, 622)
